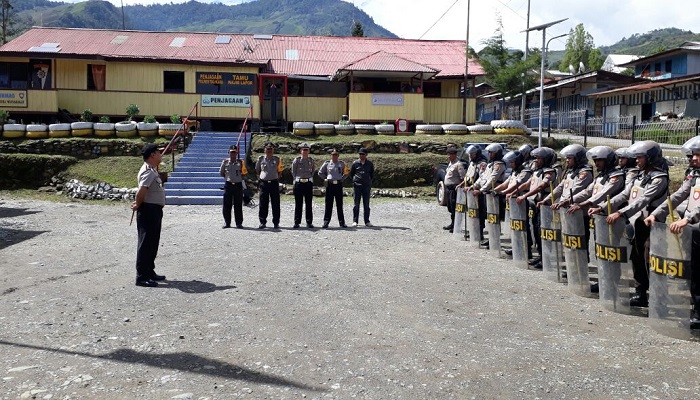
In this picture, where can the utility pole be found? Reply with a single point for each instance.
(466, 69)
(523, 103)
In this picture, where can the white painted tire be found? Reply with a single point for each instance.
(303, 125)
(344, 129)
(480, 128)
(455, 129)
(37, 128)
(81, 125)
(59, 127)
(385, 129)
(507, 124)
(429, 129)
(365, 129)
(103, 126)
(147, 126)
(324, 129)
(125, 126)
(15, 127)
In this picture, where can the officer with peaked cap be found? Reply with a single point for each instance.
(303, 172)
(233, 170)
(635, 203)
(269, 167)
(690, 191)
(334, 172)
(454, 175)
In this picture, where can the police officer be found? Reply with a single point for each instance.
(493, 175)
(454, 175)
(477, 164)
(610, 181)
(268, 168)
(520, 174)
(528, 160)
(361, 173)
(536, 189)
(302, 172)
(646, 192)
(579, 175)
(233, 170)
(334, 172)
(690, 192)
(626, 164)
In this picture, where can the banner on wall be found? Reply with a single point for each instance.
(387, 99)
(41, 74)
(209, 100)
(13, 98)
(225, 83)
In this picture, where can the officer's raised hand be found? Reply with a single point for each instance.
(520, 199)
(678, 226)
(595, 210)
(649, 221)
(613, 217)
(573, 208)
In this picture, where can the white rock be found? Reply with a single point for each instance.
(18, 369)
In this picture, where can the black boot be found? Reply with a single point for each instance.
(695, 316)
(448, 227)
(640, 299)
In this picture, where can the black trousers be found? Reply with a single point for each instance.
(640, 254)
(695, 271)
(233, 197)
(149, 219)
(481, 202)
(303, 193)
(451, 198)
(334, 192)
(269, 193)
(361, 192)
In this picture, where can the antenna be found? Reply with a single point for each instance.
(247, 48)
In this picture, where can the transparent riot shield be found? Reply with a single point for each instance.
(670, 271)
(518, 233)
(573, 240)
(459, 228)
(473, 225)
(550, 233)
(505, 228)
(493, 223)
(612, 257)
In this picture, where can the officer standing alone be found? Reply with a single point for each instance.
(302, 172)
(268, 168)
(454, 175)
(334, 171)
(361, 173)
(233, 170)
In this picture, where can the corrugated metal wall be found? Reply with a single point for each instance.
(316, 109)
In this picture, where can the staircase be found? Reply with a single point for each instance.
(196, 179)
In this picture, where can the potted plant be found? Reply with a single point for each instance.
(104, 127)
(4, 120)
(171, 128)
(59, 130)
(149, 126)
(85, 126)
(128, 128)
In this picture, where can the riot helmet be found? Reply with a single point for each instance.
(603, 153)
(545, 153)
(497, 149)
(649, 149)
(525, 150)
(624, 157)
(577, 152)
(515, 156)
(691, 146)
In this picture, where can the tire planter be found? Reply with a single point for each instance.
(13, 131)
(344, 129)
(103, 129)
(324, 129)
(480, 128)
(147, 129)
(126, 129)
(509, 131)
(508, 127)
(364, 129)
(455, 129)
(81, 129)
(59, 130)
(37, 131)
(429, 129)
(303, 128)
(168, 130)
(385, 129)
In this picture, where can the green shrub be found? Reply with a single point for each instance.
(4, 116)
(86, 115)
(132, 110)
(149, 119)
(175, 119)
(31, 170)
(104, 119)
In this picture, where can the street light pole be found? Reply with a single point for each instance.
(543, 28)
(523, 103)
(466, 69)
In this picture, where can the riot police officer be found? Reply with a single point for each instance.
(646, 192)
(610, 181)
(477, 164)
(690, 191)
(454, 175)
(577, 178)
(493, 175)
(520, 173)
(302, 173)
(626, 164)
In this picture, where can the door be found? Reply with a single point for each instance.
(273, 94)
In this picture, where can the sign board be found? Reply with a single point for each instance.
(225, 83)
(225, 101)
(13, 98)
(387, 99)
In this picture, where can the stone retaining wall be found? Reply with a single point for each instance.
(79, 148)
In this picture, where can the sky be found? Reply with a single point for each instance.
(607, 21)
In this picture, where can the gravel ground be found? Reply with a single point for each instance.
(398, 311)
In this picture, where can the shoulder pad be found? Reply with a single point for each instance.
(261, 157)
(587, 168)
(548, 170)
(657, 174)
(615, 172)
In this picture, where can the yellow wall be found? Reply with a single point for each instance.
(40, 101)
(71, 74)
(316, 109)
(361, 108)
(448, 111)
(450, 88)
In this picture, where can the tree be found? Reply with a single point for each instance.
(506, 71)
(357, 30)
(595, 60)
(579, 45)
(7, 20)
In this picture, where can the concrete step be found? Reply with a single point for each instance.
(191, 179)
(195, 200)
(200, 168)
(195, 185)
(193, 192)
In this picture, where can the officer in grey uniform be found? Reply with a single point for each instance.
(268, 168)
(493, 175)
(626, 164)
(528, 160)
(334, 172)
(454, 175)
(233, 170)
(610, 181)
(579, 175)
(690, 192)
(477, 164)
(520, 174)
(303, 172)
(648, 191)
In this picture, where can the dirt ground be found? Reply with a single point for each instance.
(398, 311)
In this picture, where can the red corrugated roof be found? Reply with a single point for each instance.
(289, 55)
(383, 61)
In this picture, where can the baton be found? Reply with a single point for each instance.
(671, 217)
(610, 233)
(132, 217)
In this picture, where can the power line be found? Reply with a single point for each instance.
(438, 20)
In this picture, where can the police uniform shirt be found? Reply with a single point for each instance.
(303, 169)
(690, 190)
(646, 193)
(149, 178)
(515, 180)
(573, 183)
(543, 176)
(233, 171)
(630, 174)
(454, 173)
(475, 169)
(604, 185)
(492, 176)
(334, 172)
(268, 169)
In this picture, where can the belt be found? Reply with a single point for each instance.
(270, 181)
(303, 180)
(333, 181)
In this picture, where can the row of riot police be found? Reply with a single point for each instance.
(616, 216)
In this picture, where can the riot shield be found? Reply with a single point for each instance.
(459, 227)
(493, 223)
(518, 235)
(473, 225)
(550, 233)
(615, 274)
(670, 271)
(573, 239)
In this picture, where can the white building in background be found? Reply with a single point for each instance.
(613, 60)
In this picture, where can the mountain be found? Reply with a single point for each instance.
(651, 42)
(292, 17)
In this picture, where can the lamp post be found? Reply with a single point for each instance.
(523, 102)
(543, 28)
(466, 69)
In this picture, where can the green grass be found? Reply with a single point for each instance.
(117, 171)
